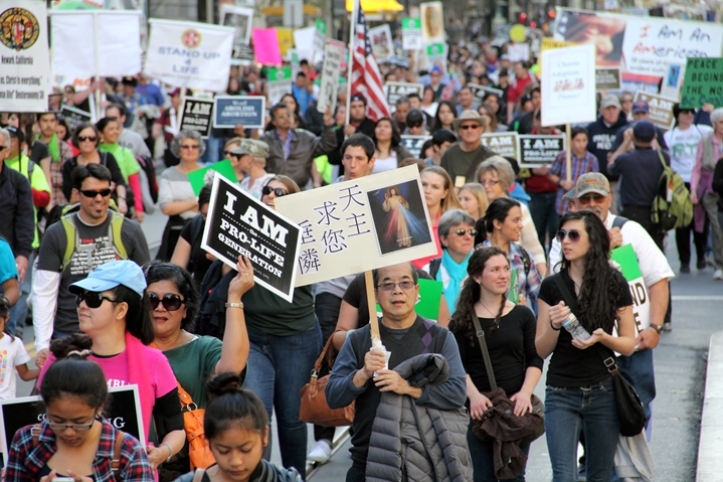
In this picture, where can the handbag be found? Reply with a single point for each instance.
(538, 408)
(314, 408)
(630, 409)
(199, 452)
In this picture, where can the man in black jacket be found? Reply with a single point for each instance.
(358, 120)
(603, 131)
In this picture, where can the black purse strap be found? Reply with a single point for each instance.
(485, 352)
(571, 301)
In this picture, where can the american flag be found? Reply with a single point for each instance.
(365, 77)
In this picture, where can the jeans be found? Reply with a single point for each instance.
(544, 215)
(327, 312)
(278, 367)
(569, 410)
(19, 312)
(482, 461)
(682, 241)
(710, 203)
(214, 149)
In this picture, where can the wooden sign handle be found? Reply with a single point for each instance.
(372, 305)
(568, 151)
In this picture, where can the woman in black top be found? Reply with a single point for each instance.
(510, 337)
(579, 393)
(188, 253)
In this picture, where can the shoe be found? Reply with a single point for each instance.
(667, 326)
(320, 452)
(685, 268)
(718, 274)
(701, 264)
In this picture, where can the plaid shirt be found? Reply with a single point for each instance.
(56, 173)
(580, 166)
(528, 283)
(26, 460)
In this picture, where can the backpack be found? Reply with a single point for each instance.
(672, 207)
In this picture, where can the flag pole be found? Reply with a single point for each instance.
(352, 28)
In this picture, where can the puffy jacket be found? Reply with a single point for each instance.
(419, 443)
(304, 148)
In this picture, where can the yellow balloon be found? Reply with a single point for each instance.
(517, 33)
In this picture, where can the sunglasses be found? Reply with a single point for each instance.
(462, 232)
(87, 138)
(405, 285)
(189, 147)
(468, 127)
(276, 190)
(573, 234)
(169, 301)
(419, 124)
(91, 193)
(227, 153)
(92, 299)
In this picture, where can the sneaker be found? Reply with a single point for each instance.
(667, 326)
(685, 268)
(320, 452)
(718, 274)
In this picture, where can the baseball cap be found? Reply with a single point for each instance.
(640, 107)
(15, 132)
(110, 275)
(239, 151)
(415, 118)
(358, 97)
(644, 131)
(592, 182)
(435, 70)
(256, 147)
(610, 100)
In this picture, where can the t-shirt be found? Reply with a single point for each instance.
(270, 314)
(255, 189)
(174, 185)
(382, 165)
(569, 366)
(12, 354)
(193, 363)
(133, 141)
(8, 270)
(458, 162)
(125, 159)
(639, 172)
(684, 147)
(198, 263)
(115, 368)
(94, 246)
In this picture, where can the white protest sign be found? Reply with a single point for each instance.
(411, 33)
(24, 57)
(319, 36)
(305, 39)
(241, 20)
(189, 54)
(381, 39)
(395, 90)
(330, 71)
(279, 83)
(437, 55)
(432, 22)
(518, 52)
(568, 85)
(360, 225)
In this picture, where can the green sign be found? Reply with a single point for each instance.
(703, 83)
(411, 24)
(321, 26)
(278, 74)
(198, 178)
(434, 50)
(430, 295)
(627, 262)
(625, 257)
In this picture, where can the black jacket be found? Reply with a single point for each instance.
(16, 206)
(601, 139)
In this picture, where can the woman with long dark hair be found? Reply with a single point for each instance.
(579, 393)
(510, 337)
(389, 151)
(445, 116)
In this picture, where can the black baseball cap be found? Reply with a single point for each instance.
(15, 132)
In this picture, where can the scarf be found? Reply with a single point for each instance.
(54, 148)
(138, 373)
(457, 273)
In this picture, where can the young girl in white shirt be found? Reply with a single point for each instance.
(12, 355)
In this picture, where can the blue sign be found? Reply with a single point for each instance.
(232, 110)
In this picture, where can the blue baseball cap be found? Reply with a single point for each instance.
(435, 70)
(109, 275)
(644, 131)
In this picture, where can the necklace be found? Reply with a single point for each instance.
(494, 315)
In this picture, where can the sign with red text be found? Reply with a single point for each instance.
(568, 85)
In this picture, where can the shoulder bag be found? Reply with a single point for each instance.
(630, 409)
(314, 407)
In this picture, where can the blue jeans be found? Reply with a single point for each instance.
(638, 369)
(567, 411)
(19, 312)
(544, 215)
(278, 367)
(482, 461)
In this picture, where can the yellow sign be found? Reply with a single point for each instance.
(286, 39)
(518, 33)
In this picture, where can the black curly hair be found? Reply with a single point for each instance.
(161, 271)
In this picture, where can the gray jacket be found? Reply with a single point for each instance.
(419, 443)
(304, 148)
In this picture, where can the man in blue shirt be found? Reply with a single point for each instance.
(303, 92)
(150, 92)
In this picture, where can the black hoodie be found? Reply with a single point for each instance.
(601, 139)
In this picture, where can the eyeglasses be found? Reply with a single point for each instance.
(92, 299)
(415, 125)
(462, 232)
(573, 234)
(491, 182)
(405, 285)
(87, 138)
(685, 111)
(190, 147)
(91, 193)
(77, 427)
(169, 301)
(2, 148)
(276, 190)
(468, 126)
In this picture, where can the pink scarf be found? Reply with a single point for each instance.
(138, 372)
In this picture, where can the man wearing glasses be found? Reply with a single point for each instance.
(461, 160)
(83, 240)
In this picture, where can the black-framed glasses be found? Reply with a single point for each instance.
(573, 234)
(170, 301)
(405, 285)
(87, 138)
(462, 232)
(415, 125)
(91, 193)
(276, 190)
(92, 299)
(77, 427)
(468, 126)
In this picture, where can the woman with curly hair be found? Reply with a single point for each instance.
(510, 337)
(579, 393)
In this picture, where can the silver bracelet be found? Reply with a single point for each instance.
(170, 450)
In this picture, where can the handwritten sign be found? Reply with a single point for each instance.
(568, 85)
(703, 83)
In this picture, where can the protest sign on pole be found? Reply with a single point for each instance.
(432, 22)
(75, 116)
(506, 144)
(568, 85)
(539, 150)
(266, 46)
(279, 83)
(330, 72)
(189, 54)
(24, 56)
(414, 145)
(661, 109)
(241, 20)
(437, 55)
(608, 79)
(624, 256)
(232, 110)
(360, 225)
(237, 224)
(518, 52)
(197, 115)
(411, 33)
(703, 83)
(381, 39)
(395, 90)
(319, 36)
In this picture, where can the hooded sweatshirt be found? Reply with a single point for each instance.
(601, 138)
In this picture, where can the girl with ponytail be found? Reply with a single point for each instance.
(510, 336)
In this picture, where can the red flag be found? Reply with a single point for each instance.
(365, 77)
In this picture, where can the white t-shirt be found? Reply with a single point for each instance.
(381, 165)
(683, 147)
(12, 354)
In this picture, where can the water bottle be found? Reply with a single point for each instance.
(576, 329)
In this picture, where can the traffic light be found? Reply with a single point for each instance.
(522, 18)
(551, 15)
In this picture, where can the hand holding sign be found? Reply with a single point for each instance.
(243, 281)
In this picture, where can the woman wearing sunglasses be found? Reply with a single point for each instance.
(194, 359)
(579, 394)
(113, 311)
(503, 224)
(75, 440)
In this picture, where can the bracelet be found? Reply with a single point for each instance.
(122, 197)
(553, 326)
(170, 450)
(235, 305)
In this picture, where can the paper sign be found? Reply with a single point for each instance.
(414, 145)
(240, 19)
(381, 39)
(568, 85)
(703, 83)
(197, 115)
(479, 91)
(537, 151)
(506, 144)
(279, 83)
(319, 35)
(432, 22)
(519, 52)
(232, 110)
(624, 257)
(437, 55)
(330, 72)
(661, 109)
(673, 80)
(75, 116)
(237, 224)
(201, 177)
(607, 79)
(266, 46)
(286, 40)
(395, 90)
(359, 225)
(411, 33)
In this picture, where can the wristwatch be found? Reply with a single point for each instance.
(658, 328)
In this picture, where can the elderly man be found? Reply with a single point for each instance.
(363, 374)
(461, 160)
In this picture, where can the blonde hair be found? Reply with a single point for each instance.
(450, 201)
(478, 192)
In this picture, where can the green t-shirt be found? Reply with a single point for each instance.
(124, 157)
(270, 314)
(193, 363)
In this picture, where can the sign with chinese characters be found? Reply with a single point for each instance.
(661, 109)
(360, 225)
(537, 151)
(395, 90)
(330, 72)
(506, 144)
(196, 115)
(237, 224)
(123, 412)
(568, 85)
(232, 110)
(414, 145)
